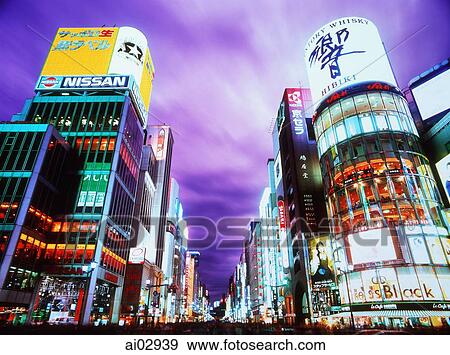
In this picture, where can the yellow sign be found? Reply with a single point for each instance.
(81, 51)
(147, 78)
(103, 51)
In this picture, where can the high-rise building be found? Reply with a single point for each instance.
(273, 278)
(301, 199)
(33, 183)
(141, 271)
(389, 230)
(191, 281)
(253, 258)
(162, 143)
(174, 247)
(95, 89)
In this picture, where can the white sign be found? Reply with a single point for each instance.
(129, 53)
(432, 97)
(345, 52)
(371, 246)
(83, 82)
(137, 256)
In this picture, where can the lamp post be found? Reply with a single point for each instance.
(276, 309)
(149, 286)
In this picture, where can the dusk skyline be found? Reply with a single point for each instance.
(220, 74)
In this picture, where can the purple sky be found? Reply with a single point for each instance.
(221, 67)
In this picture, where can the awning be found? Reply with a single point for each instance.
(395, 314)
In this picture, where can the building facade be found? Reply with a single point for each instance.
(389, 231)
(34, 161)
(95, 91)
(301, 199)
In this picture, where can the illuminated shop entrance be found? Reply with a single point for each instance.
(59, 301)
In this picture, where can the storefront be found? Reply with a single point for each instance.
(401, 296)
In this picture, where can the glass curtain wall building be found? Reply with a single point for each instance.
(33, 181)
(104, 130)
(386, 215)
(379, 187)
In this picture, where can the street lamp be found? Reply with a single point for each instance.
(276, 292)
(149, 286)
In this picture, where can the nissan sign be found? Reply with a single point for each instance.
(83, 82)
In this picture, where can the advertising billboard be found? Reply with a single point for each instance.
(101, 53)
(94, 185)
(432, 96)
(137, 256)
(81, 51)
(93, 190)
(131, 56)
(371, 246)
(401, 284)
(159, 143)
(321, 265)
(443, 168)
(345, 52)
(308, 175)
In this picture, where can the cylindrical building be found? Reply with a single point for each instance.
(391, 239)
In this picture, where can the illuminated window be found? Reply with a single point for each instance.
(394, 122)
(366, 122)
(326, 119)
(380, 119)
(341, 132)
(352, 126)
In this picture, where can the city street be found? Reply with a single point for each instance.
(200, 167)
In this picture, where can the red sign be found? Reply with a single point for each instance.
(282, 218)
(111, 277)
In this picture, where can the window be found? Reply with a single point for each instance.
(383, 190)
(326, 119)
(330, 137)
(348, 107)
(352, 126)
(388, 101)
(380, 119)
(319, 126)
(372, 144)
(394, 122)
(366, 123)
(336, 113)
(375, 101)
(418, 249)
(362, 103)
(341, 132)
(358, 148)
